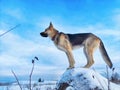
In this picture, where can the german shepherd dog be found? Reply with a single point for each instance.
(67, 42)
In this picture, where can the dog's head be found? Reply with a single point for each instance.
(48, 31)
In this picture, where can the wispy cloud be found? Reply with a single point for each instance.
(16, 13)
(116, 17)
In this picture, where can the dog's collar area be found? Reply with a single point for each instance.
(53, 38)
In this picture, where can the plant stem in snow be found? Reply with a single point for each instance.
(16, 79)
(108, 78)
(30, 77)
(99, 80)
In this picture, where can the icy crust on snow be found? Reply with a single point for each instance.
(86, 79)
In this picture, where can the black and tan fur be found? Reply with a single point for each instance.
(67, 42)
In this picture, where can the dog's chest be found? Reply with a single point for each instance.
(60, 46)
(60, 41)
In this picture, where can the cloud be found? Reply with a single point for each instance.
(16, 13)
(116, 17)
(11, 15)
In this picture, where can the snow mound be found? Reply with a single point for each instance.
(84, 79)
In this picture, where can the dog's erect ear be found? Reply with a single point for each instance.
(51, 24)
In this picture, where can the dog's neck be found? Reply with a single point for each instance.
(54, 36)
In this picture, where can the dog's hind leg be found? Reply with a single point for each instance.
(89, 55)
(89, 48)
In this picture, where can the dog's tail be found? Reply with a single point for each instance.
(105, 55)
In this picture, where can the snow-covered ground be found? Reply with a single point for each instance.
(73, 79)
(85, 79)
(46, 85)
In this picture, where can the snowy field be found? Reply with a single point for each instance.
(73, 79)
(46, 85)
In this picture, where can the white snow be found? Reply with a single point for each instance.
(46, 85)
(86, 79)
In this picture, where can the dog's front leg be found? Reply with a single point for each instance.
(70, 59)
(65, 46)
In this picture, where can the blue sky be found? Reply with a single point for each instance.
(18, 47)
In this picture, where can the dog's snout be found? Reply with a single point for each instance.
(43, 34)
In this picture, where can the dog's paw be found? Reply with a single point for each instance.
(70, 68)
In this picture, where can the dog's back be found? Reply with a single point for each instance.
(78, 39)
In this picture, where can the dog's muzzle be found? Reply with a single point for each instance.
(43, 34)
